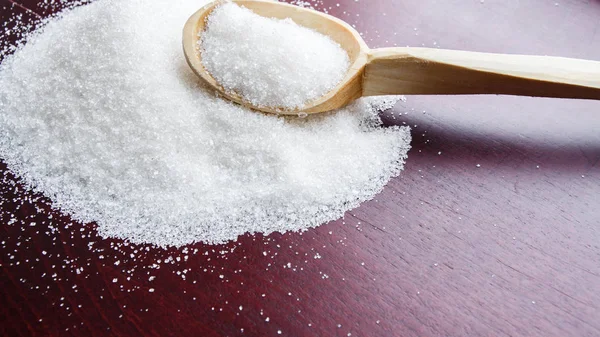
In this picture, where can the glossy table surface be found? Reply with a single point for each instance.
(493, 229)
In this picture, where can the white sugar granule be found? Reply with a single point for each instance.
(100, 113)
(270, 62)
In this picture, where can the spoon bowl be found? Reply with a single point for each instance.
(407, 71)
(339, 31)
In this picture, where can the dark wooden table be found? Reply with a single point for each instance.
(493, 229)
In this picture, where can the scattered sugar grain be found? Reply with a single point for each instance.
(270, 62)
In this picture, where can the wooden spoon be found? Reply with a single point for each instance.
(410, 71)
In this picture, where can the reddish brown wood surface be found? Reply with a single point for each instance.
(493, 229)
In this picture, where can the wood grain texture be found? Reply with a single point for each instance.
(417, 71)
(509, 248)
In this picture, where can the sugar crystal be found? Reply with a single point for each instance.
(270, 62)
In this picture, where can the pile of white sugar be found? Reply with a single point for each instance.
(269, 62)
(100, 113)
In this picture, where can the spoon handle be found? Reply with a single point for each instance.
(430, 71)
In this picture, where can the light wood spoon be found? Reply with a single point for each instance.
(410, 71)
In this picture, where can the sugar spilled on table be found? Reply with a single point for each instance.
(112, 126)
